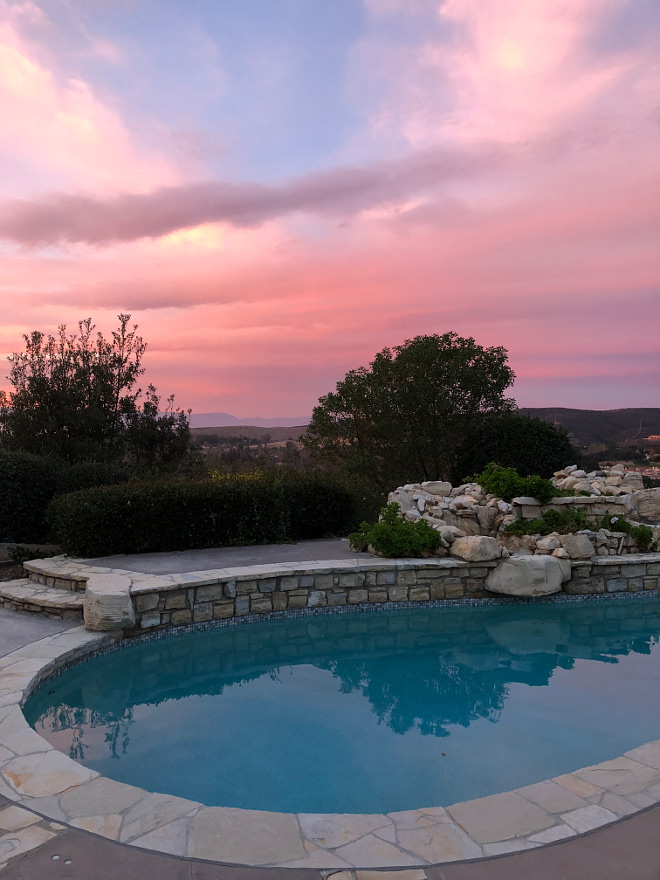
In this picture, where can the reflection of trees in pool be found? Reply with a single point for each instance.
(452, 694)
(78, 720)
(461, 663)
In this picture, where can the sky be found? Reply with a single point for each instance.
(275, 190)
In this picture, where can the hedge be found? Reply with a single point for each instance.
(144, 518)
(27, 483)
(89, 474)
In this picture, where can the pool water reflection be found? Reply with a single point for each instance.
(365, 712)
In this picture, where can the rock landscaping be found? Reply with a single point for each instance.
(462, 512)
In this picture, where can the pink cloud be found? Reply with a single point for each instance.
(54, 128)
(524, 214)
(339, 191)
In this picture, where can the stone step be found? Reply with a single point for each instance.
(40, 572)
(25, 595)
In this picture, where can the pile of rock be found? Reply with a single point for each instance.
(455, 511)
(472, 524)
(466, 511)
(611, 481)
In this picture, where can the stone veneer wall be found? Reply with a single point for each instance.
(227, 597)
(594, 506)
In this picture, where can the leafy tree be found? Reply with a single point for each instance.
(75, 399)
(153, 440)
(404, 417)
(513, 440)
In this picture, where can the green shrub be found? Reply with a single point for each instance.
(89, 474)
(27, 483)
(506, 483)
(565, 523)
(641, 534)
(393, 536)
(141, 518)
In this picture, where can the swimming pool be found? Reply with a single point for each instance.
(365, 712)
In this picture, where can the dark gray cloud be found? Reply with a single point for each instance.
(63, 217)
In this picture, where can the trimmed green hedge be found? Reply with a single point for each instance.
(89, 474)
(27, 483)
(143, 518)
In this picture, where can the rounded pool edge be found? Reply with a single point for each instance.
(45, 780)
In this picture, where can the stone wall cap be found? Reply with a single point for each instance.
(628, 559)
(109, 584)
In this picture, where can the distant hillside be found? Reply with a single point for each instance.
(224, 420)
(253, 431)
(610, 426)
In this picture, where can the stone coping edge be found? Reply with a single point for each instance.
(38, 777)
(63, 568)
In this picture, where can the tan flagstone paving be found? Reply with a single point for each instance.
(622, 775)
(499, 817)
(228, 835)
(84, 799)
(44, 773)
(551, 796)
(151, 812)
(171, 838)
(13, 818)
(332, 830)
(372, 852)
(105, 826)
(439, 843)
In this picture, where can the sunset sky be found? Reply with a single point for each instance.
(277, 189)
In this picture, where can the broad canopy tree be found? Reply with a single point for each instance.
(404, 417)
(75, 399)
(515, 440)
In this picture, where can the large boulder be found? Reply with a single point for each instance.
(577, 546)
(107, 606)
(476, 548)
(647, 502)
(437, 487)
(526, 576)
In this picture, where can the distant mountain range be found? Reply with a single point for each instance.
(614, 427)
(611, 426)
(224, 420)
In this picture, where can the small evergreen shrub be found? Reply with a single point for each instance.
(565, 523)
(152, 517)
(506, 483)
(27, 483)
(395, 537)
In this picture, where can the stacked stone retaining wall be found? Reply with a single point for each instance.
(174, 600)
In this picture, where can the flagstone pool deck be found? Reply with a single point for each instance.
(50, 806)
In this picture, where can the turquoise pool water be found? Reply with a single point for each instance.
(365, 712)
